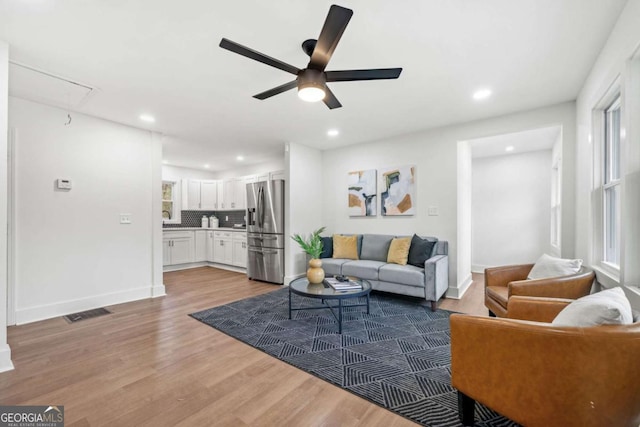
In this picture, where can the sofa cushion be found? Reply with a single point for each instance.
(345, 246)
(420, 250)
(548, 266)
(375, 247)
(610, 307)
(404, 274)
(333, 266)
(499, 294)
(327, 247)
(363, 269)
(399, 250)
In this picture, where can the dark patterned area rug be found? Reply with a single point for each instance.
(397, 357)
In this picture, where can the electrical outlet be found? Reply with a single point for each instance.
(433, 211)
(226, 217)
(125, 218)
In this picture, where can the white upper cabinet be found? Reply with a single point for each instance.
(228, 194)
(235, 192)
(208, 195)
(202, 195)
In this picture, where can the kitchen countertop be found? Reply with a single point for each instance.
(202, 228)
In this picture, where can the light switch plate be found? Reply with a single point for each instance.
(125, 218)
(433, 211)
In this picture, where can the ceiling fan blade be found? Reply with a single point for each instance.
(276, 90)
(257, 56)
(330, 99)
(334, 26)
(373, 74)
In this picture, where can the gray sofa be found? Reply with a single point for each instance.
(429, 282)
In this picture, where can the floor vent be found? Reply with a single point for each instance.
(75, 317)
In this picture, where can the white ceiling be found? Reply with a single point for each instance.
(522, 142)
(162, 57)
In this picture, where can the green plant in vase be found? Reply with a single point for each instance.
(312, 246)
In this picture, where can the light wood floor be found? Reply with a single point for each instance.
(150, 364)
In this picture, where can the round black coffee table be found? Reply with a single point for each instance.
(324, 292)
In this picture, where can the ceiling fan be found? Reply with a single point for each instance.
(312, 81)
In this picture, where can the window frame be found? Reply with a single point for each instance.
(610, 255)
(176, 212)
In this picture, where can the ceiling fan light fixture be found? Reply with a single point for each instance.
(311, 85)
(311, 93)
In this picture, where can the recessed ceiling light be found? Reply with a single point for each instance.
(481, 94)
(509, 148)
(333, 132)
(207, 166)
(165, 162)
(240, 158)
(147, 118)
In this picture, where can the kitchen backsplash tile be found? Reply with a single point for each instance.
(194, 218)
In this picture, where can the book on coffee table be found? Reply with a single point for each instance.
(342, 286)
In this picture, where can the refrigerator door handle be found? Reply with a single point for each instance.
(261, 208)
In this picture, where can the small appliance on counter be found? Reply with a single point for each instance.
(205, 221)
(213, 222)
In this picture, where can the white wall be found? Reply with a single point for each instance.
(71, 252)
(434, 152)
(303, 203)
(257, 169)
(511, 209)
(5, 351)
(613, 62)
(176, 173)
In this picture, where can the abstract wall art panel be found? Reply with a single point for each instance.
(362, 193)
(398, 191)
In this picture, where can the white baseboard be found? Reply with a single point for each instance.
(458, 292)
(5, 358)
(42, 312)
(179, 267)
(158, 291)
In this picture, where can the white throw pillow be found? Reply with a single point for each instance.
(548, 266)
(610, 307)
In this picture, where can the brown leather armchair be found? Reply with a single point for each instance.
(537, 374)
(501, 283)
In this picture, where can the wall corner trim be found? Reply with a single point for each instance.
(459, 291)
(5, 358)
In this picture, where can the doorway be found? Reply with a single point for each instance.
(515, 197)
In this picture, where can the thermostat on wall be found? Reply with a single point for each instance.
(63, 184)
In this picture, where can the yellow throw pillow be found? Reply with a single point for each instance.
(399, 250)
(345, 246)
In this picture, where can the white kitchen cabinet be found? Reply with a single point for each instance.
(210, 246)
(235, 193)
(208, 195)
(202, 195)
(179, 247)
(220, 192)
(228, 194)
(166, 252)
(222, 247)
(201, 245)
(239, 254)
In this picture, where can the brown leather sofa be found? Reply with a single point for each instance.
(537, 374)
(501, 283)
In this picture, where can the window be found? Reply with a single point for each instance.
(169, 197)
(611, 184)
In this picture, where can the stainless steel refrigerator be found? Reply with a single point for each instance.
(265, 231)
